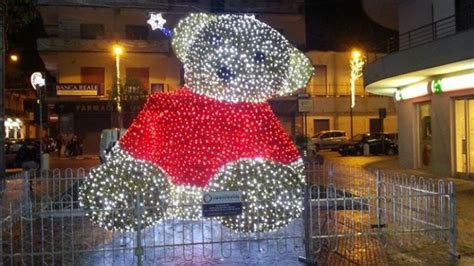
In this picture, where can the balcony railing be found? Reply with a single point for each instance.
(332, 90)
(442, 28)
(81, 45)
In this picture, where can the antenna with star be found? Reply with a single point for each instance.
(157, 21)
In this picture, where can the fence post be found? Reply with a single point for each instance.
(308, 238)
(453, 234)
(26, 194)
(138, 215)
(378, 207)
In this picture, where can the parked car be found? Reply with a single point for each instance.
(329, 139)
(11, 149)
(378, 143)
(22, 154)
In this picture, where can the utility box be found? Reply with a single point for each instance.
(45, 161)
(366, 149)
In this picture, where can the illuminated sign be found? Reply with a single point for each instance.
(78, 89)
(412, 91)
(453, 83)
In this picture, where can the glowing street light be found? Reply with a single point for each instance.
(356, 62)
(14, 58)
(118, 51)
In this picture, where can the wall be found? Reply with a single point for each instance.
(414, 14)
(442, 150)
(163, 69)
(338, 71)
(406, 113)
(293, 27)
(338, 112)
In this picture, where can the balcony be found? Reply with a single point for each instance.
(442, 47)
(82, 45)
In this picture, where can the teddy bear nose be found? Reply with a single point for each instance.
(259, 57)
(224, 73)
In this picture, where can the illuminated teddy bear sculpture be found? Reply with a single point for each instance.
(217, 133)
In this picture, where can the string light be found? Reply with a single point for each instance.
(238, 58)
(216, 133)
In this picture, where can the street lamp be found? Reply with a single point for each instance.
(356, 62)
(14, 58)
(118, 51)
(38, 81)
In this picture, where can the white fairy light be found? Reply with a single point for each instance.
(238, 58)
(272, 193)
(227, 58)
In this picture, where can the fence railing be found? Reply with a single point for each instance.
(334, 90)
(351, 215)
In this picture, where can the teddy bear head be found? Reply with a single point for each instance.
(238, 58)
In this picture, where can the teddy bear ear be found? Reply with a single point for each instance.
(299, 72)
(187, 30)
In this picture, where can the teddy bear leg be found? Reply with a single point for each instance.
(272, 193)
(111, 193)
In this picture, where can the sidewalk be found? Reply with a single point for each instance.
(79, 157)
(465, 206)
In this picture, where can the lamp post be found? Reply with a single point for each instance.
(118, 51)
(356, 63)
(38, 81)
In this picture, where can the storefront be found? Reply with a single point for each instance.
(440, 137)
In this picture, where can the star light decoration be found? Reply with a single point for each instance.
(156, 21)
(217, 133)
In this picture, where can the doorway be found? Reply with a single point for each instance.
(424, 135)
(464, 136)
(320, 125)
(375, 125)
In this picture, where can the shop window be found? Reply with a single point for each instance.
(92, 31)
(94, 75)
(136, 32)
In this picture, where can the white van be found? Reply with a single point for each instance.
(108, 138)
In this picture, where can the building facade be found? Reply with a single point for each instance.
(78, 53)
(429, 70)
(329, 92)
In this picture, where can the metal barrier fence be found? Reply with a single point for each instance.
(351, 216)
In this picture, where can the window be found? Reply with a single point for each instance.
(94, 75)
(92, 31)
(136, 32)
(139, 74)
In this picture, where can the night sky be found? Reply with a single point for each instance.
(340, 25)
